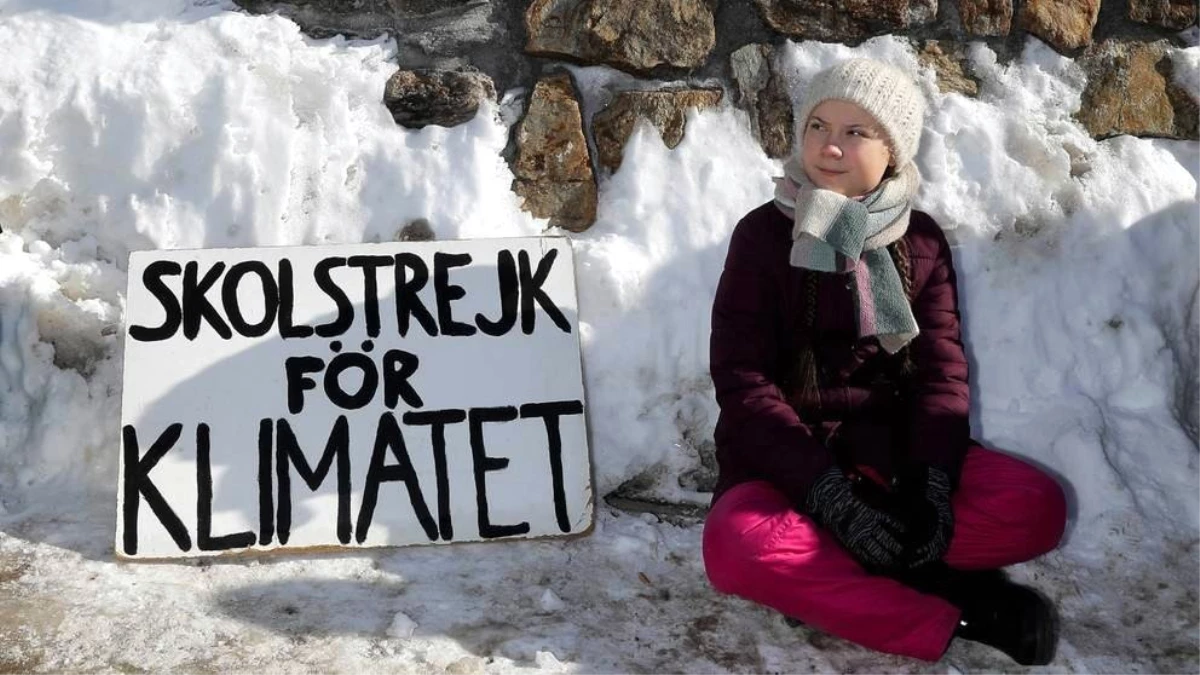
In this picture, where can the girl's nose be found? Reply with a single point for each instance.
(831, 150)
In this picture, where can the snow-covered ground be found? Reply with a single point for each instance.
(138, 124)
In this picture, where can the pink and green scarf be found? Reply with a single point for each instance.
(834, 233)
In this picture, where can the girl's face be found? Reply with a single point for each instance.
(844, 148)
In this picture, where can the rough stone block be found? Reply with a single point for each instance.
(552, 167)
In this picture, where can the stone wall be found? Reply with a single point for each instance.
(454, 54)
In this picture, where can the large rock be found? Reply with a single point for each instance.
(440, 28)
(1173, 14)
(1131, 90)
(446, 98)
(949, 62)
(552, 167)
(986, 17)
(834, 20)
(762, 93)
(634, 35)
(666, 110)
(326, 18)
(486, 35)
(1063, 24)
(419, 7)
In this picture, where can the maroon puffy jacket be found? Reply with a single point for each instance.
(871, 413)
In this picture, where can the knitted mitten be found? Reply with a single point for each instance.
(924, 502)
(871, 534)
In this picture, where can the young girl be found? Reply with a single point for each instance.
(851, 496)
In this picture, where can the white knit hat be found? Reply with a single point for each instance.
(885, 91)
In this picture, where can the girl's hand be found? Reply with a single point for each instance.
(873, 535)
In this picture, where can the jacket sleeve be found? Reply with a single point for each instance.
(757, 424)
(940, 396)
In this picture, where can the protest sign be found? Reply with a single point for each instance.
(359, 395)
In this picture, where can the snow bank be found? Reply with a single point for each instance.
(147, 127)
(127, 126)
(133, 124)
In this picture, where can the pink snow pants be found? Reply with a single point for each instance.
(756, 546)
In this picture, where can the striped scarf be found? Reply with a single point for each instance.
(834, 233)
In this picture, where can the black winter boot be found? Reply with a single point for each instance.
(1017, 620)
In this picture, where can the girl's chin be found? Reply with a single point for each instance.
(839, 187)
(830, 183)
(834, 187)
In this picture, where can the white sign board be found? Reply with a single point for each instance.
(362, 395)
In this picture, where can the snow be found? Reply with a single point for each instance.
(135, 125)
(550, 602)
(402, 626)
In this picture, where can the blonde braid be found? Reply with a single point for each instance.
(806, 361)
(900, 257)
